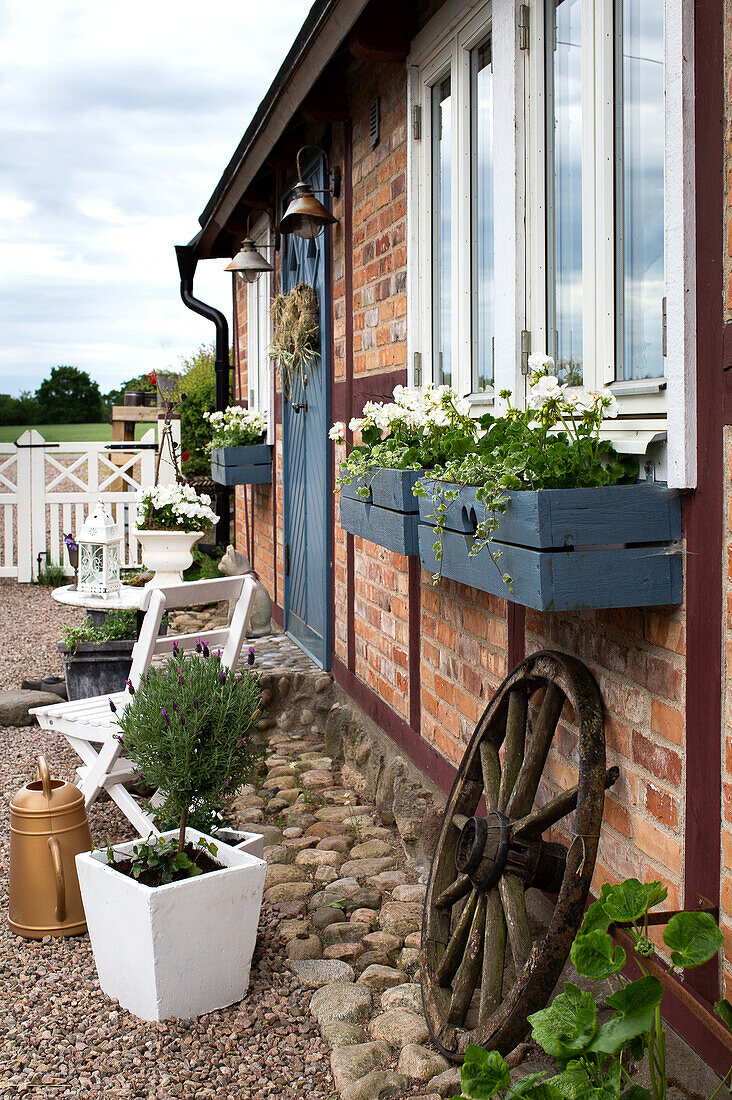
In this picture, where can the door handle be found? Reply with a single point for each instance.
(297, 407)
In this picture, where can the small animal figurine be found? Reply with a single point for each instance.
(235, 564)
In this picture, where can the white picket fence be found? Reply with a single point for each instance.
(48, 489)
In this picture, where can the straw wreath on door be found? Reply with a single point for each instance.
(296, 336)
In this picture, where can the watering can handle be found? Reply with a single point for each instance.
(55, 848)
(45, 777)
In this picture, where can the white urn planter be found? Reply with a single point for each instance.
(177, 950)
(167, 553)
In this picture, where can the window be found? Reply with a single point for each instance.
(259, 336)
(551, 207)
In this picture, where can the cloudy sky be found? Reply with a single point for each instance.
(116, 122)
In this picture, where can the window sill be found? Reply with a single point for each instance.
(637, 386)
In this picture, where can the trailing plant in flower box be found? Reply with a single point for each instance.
(595, 1058)
(552, 444)
(188, 729)
(418, 430)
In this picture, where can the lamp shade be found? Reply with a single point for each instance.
(249, 262)
(305, 215)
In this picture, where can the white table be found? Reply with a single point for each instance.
(127, 599)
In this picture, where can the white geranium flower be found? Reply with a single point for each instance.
(538, 361)
(338, 432)
(610, 407)
(543, 389)
(356, 423)
(582, 400)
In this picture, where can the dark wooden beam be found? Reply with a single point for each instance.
(326, 108)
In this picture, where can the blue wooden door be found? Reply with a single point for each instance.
(307, 493)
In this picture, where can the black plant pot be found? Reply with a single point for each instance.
(134, 397)
(96, 668)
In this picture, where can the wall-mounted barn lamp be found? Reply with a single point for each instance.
(249, 261)
(306, 216)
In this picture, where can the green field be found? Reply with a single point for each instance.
(67, 433)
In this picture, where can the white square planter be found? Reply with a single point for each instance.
(176, 950)
(253, 843)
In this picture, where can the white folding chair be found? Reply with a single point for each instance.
(90, 726)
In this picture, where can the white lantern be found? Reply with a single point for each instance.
(99, 541)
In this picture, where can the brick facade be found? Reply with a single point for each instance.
(637, 656)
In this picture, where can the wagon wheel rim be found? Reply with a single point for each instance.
(490, 852)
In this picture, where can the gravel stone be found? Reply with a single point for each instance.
(347, 952)
(447, 1083)
(399, 1027)
(314, 973)
(364, 868)
(408, 996)
(408, 892)
(340, 1035)
(373, 849)
(14, 706)
(350, 1064)
(400, 917)
(381, 977)
(420, 1063)
(288, 891)
(277, 873)
(342, 1001)
(325, 916)
(382, 1084)
(308, 947)
(345, 932)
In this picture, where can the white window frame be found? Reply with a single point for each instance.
(650, 410)
(260, 369)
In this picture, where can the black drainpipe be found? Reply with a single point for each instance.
(187, 267)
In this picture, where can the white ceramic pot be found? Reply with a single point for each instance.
(167, 553)
(177, 950)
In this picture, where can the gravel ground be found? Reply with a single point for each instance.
(61, 1036)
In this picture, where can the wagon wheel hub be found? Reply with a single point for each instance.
(486, 849)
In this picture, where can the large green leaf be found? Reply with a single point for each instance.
(567, 1026)
(527, 1086)
(693, 938)
(484, 1073)
(596, 917)
(630, 900)
(636, 1092)
(634, 1007)
(723, 1009)
(595, 955)
(575, 1084)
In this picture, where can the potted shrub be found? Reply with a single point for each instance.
(170, 520)
(400, 439)
(546, 512)
(238, 454)
(97, 656)
(173, 920)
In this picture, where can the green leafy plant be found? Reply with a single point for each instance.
(188, 730)
(552, 444)
(593, 1057)
(419, 429)
(52, 576)
(116, 626)
(236, 427)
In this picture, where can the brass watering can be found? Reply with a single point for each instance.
(48, 828)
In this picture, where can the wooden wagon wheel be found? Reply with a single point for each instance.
(490, 851)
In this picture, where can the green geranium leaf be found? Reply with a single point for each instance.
(566, 1028)
(693, 938)
(634, 1007)
(596, 917)
(484, 1073)
(595, 956)
(630, 900)
(635, 1092)
(723, 1009)
(527, 1086)
(574, 1084)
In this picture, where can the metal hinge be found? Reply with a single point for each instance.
(523, 26)
(287, 558)
(663, 327)
(417, 122)
(525, 350)
(417, 368)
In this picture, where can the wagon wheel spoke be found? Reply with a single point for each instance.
(455, 949)
(513, 745)
(527, 782)
(491, 768)
(517, 922)
(538, 821)
(459, 888)
(491, 986)
(468, 973)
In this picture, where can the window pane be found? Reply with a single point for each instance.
(639, 188)
(481, 78)
(564, 187)
(441, 231)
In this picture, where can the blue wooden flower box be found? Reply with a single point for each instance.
(388, 514)
(250, 465)
(566, 549)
